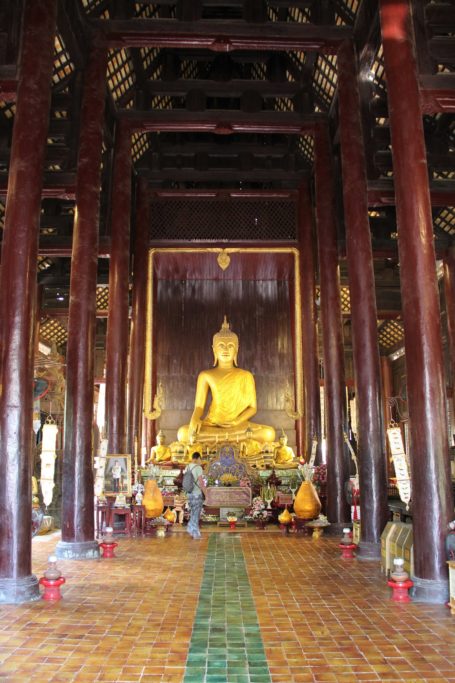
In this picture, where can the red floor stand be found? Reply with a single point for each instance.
(51, 581)
(399, 582)
(108, 545)
(346, 545)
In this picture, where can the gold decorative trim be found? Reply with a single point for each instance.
(149, 406)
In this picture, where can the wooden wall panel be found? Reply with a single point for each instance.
(188, 313)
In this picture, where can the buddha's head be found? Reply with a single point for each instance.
(160, 438)
(225, 345)
(249, 433)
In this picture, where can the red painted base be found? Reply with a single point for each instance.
(284, 528)
(400, 590)
(232, 525)
(347, 550)
(52, 588)
(108, 549)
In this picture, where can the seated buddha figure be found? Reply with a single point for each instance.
(233, 395)
(160, 452)
(250, 448)
(194, 446)
(284, 456)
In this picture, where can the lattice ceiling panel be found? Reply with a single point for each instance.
(223, 220)
(325, 80)
(390, 334)
(445, 220)
(346, 11)
(52, 330)
(63, 66)
(344, 296)
(139, 145)
(120, 73)
(102, 298)
(306, 147)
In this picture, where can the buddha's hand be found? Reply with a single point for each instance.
(195, 425)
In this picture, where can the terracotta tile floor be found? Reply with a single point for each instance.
(130, 619)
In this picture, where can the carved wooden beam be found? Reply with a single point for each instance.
(222, 36)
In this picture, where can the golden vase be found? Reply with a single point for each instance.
(307, 504)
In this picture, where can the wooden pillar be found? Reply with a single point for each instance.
(138, 316)
(431, 484)
(372, 470)
(117, 324)
(312, 405)
(338, 510)
(18, 299)
(77, 486)
(449, 294)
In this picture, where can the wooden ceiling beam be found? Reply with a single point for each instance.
(233, 88)
(222, 36)
(223, 175)
(221, 122)
(381, 193)
(56, 185)
(437, 93)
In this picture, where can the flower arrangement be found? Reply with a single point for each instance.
(258, 509)
(231, 516)
(228, 479)
(320, 476)
(307, 472)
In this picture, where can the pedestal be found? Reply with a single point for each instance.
(52, 588)
(108, 549)
(347, 550)
(400, 590)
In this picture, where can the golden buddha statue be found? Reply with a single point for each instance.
(250, 448)
(194, 446)
(284, 456)
(233, 397)
(160, 452)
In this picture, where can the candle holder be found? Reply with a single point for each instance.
(346, 545)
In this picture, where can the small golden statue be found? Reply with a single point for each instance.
(194, 446)
(250, 448)
(284, 456)
(160, 452)
(233, 394)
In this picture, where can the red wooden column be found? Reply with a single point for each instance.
(138, 316)
(372, 469)
(312, 405)
(338, 510)
(449, 292)
(18, 299)
(117, 324)
(77, 487)
(431, 483)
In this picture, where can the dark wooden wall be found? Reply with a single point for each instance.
(189, 312)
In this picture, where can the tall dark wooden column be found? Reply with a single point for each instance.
(117, 324)
(138, 317)
(18, 299)
(312, 405)
(449, 293)
(431, 484)
(77, 487)
(372, 469)
(338, 510)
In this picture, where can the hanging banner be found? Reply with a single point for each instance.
(400, 463)
(314, 449)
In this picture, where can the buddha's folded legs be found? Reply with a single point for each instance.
(210, 432)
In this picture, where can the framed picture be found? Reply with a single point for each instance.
(117, 475)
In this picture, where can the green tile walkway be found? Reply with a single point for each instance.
(226, 644)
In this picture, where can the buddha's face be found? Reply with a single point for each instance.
(225, 351)
(283, 440)
(160, 439)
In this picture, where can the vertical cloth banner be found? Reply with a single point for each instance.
(400, 462)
